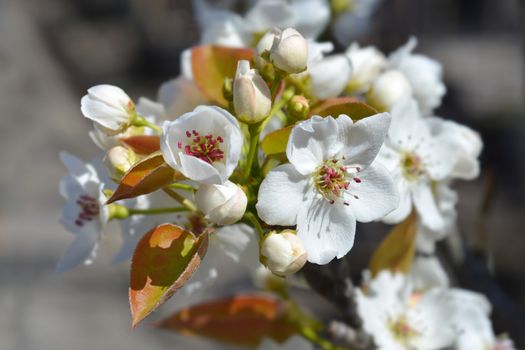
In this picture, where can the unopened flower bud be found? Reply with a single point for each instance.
(289, 51)
(283, 253)
(251, 96)
(222, 204)
(367, 63)
(262, 50)
(387, 89)
(121, 159)
(110, 107)
(298, 107)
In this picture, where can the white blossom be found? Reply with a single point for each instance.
(399, 319)
(204, 145)
(367, 63)
(330, 76)
(289, 51)
(179, 96)
(251, 96)
(389, 88)
(424, 74)
(283, 253)
(330, 183)
(85, 214)
(417, 159)
(110, 107)
(222, 204)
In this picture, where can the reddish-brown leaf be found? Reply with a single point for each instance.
(143, 144)
(146, 176)
(396, 251)
(165, 258)
(212, 64)
(343, 105)
(239, 320)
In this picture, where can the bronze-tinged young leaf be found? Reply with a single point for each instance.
(143, 144)
(396, 251)
(343, 105)
(146, 176)
(165, 258)
(276, 141)
(212, 64)
(239, 320)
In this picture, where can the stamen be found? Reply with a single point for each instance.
(89, 210)
(204, 147)
(333, 180)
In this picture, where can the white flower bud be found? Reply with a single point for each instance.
(367, 63)
(289, 51)
(222, 204)
(109, 107)
(390, 87)
(121, 158)
(262, 50)
(251, 96)
(330, 75)
(283, 253)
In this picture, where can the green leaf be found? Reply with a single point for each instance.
(146, 176)
(275, 142)
(165, 258)
(343, 105)
(212, 64)
(396, 251)
(242, 320)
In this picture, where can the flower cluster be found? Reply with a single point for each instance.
(264, 153)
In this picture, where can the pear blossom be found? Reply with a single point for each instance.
(389, 88)
(367, 63)
(222, 204)
(226, 28)
(423, 73)
(417, 160)
(110, 107)
(427, 272)
(85, 214)
(204, 145)
(400, 319)
(289, 51)
(283, 253)
(330, 76)
(330, 182)
(251, 96)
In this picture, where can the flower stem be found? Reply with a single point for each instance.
(184, 201)
(311, 335)
(249, 216)
(156, 211)
(184, 187)
(255, 131)
(141, 121)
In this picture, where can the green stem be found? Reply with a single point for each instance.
(249, 216)
(312, 336)
(183, 201)
(156, 211)
(255, 131)
(141, 121)
(184, 187)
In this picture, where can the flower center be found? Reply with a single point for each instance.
(402, 330)
(333, 178)
(89, 209)
(206, 148)
(412, 166)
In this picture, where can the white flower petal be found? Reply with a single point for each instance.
(363, 140)
(281, 195)
(426, 206)
(312, 142)
(312, 16)
(327, 230)
(265, 15)
(377, 194)
(81, 251)
(199, 170)
(404, 208)
(330, 76)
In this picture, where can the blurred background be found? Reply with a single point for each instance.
(52, 51)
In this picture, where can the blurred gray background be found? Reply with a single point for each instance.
(52, 51)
